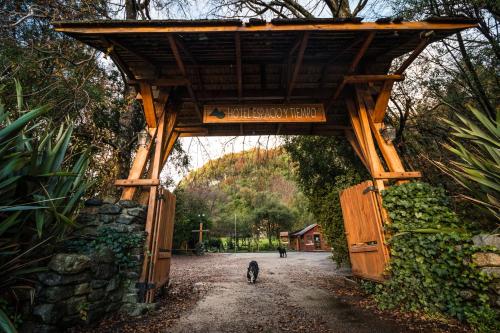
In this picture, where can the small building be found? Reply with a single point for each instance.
(308, 239)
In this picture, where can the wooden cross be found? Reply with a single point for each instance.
(200, 232)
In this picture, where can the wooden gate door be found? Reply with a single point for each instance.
(364, 231)
(161, 248)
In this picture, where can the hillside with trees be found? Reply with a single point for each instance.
(253, 190)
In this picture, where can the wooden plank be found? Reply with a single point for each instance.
(161, 101)
(335, 95)
(298, 64)
(382, 101)
(371, 78)
(137, 169)
(363, 26)
(152, 200)
(164, 255)
(162, 82)
(137, 182)
(352, 67)
(421, 46)
(192, 129)
(148, 104)
(169, 147)
(122, 67)
(192, 59)
(365, 235)
(239, 75)
(387, 149)
(397, 175)
(355, 146)
(147, 60)
(332, 60)
(182, 68)
(361, 52)
(263, 113)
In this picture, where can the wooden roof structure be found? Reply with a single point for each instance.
(340, 66)
(282, 61)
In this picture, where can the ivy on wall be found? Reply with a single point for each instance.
(431, 268)
(121, 244)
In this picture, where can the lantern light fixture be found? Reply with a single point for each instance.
(388, 133)
(143, 138)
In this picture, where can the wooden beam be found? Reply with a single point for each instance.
(75, 28)
(137, 169)
(382, 101)
(161, 101)
(287, 62)
(361, 127)
(397, 175)
(239, 75)
(137, 182)
(352, 67)
(343, 50)
(335, 95)
(162, 82)
(148, 104)
(147, 60)
(169, 147)
(387, 149)
(192, 59)
(116, 59)
(349, 134)
(152, 200)
(298, 64)
(193, 129)
(361, 52)
(421, 46)
(371, 78)
(182, 68)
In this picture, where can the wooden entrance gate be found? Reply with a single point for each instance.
(156, 266)
(364, 231)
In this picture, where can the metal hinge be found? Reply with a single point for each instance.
(370, 188)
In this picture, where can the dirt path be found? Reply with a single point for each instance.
(301, 293)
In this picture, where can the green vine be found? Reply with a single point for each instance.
(431, 268)
(119, 243)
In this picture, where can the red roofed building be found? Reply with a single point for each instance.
(308, 239)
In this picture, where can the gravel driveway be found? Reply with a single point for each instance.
(285, 298)
(301, 293)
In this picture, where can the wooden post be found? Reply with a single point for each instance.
(200, 233)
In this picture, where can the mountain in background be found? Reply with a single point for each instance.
(253, 189)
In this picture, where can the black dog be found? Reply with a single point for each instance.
(253, 271)
(282, 252)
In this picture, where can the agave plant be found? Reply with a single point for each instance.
(41, 183)
(478, 165)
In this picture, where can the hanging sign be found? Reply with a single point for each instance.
(264, 113)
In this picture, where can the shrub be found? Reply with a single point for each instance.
(431, 268)
(41, 182)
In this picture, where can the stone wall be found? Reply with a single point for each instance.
(85, 282)
(489, 263)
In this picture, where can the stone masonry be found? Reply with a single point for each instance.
(80, 287)
(489, 263)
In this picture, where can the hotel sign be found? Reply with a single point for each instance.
(264, 113)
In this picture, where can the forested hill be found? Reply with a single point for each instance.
(254, 187)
